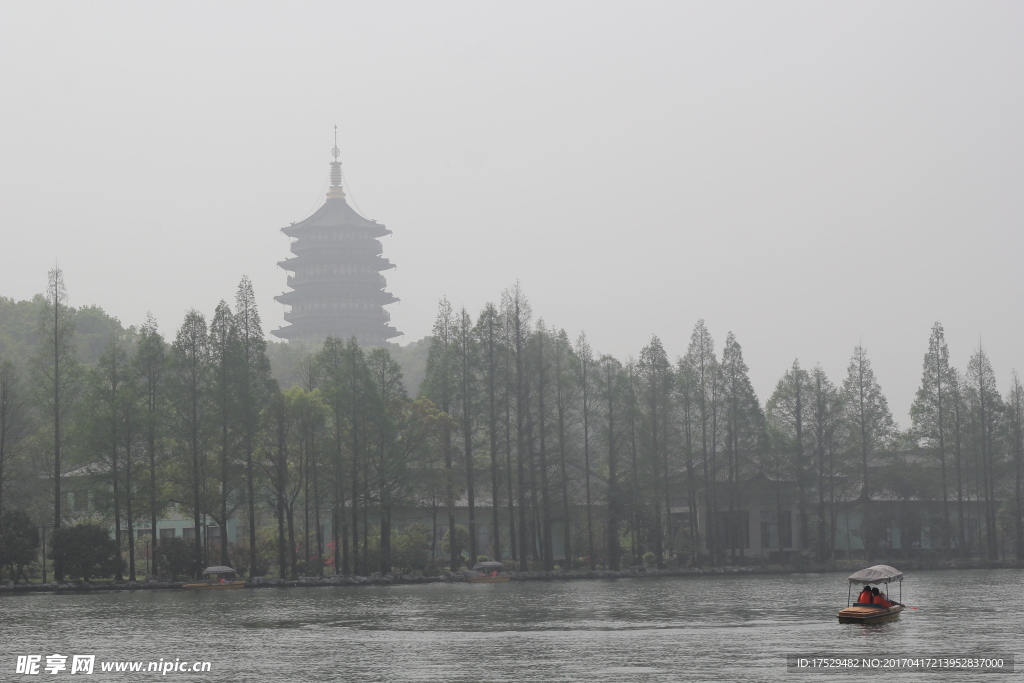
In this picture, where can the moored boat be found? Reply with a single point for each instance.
(217, 579)
(487, 572)
(870, 612)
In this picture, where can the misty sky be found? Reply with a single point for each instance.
(805, 174)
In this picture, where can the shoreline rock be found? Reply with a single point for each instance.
(537, 575)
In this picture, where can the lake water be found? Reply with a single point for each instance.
(728, 628)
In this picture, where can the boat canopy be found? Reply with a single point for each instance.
(880, 573)
(218, 570)
(489, 565)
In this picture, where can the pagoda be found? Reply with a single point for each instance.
(336, 281)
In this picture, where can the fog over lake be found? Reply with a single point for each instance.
(809, 176)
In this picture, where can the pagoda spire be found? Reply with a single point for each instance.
(336, 191)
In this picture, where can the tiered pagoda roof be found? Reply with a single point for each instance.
(336, 281)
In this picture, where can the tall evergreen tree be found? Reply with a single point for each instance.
(826, 420)
(254, 368)
(388, 463)
(311, 418)
(958, 415)
(332, 369)
(871, 427)
(930, 411)
(656, 378)
(14, 422)
(508, 385)
(565, 394)
(687, 402)
(986, 415)
(105, 403)
(56, 380)
(358, 396)
(1015, 432)
(704, 368)
(132, 421)
(789, 411)
(586, 361)
(488, 332)
(609, 373)
(440, 388)
(542, 362)
(149, 367)
(744, 424)
(277, 464)
(466, 367)
(189, 363)
(517, 314)
(224, 362)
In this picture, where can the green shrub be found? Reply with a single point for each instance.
(461, 539)
(19, 542)
(85, 551)
(176, 556)
(410, 549)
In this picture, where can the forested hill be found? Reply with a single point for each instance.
(94, 328)
(19, 330)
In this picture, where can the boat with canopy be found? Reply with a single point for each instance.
(217, 578)
(871, 612)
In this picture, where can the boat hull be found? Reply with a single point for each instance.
(488, 579)
(869, 615)
(230, 585)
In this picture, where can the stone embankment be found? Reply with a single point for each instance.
(456, 577)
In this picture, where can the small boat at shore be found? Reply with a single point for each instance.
(870, 613)
(217, 579)
(486, 572)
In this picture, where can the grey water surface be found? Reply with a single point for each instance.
(709, 628)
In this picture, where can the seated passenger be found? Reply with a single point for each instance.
(865, 596)
(878, 599)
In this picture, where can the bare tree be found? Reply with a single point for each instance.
(56, 380)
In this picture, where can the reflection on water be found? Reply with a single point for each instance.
(694, 628)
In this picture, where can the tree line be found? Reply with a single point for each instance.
(534, 434)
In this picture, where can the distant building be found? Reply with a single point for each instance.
(337, 286)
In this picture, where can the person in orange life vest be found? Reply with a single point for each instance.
(878, 599)
(865, 596)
